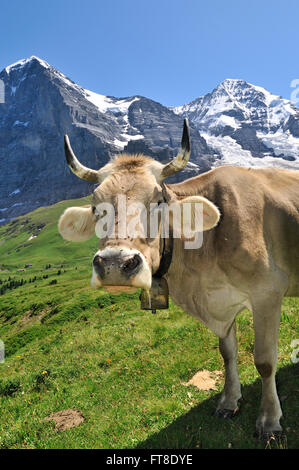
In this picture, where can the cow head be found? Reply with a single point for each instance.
(130, 188)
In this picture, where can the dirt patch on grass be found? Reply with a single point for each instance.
(30, 317)
(66, 419)
(205, 380)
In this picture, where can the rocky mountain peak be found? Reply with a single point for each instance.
(25, 63)
(246, 124)
(42, 104)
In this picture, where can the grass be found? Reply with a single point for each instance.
(69, 346)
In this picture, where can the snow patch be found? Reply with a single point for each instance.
(233, 154)
(104, 103)
(16, 191)
(122, 143)
(282, 143)
(224, 120)
(21, 123)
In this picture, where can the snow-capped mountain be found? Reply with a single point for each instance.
(247, 125)
(42, 104)
(237, 123)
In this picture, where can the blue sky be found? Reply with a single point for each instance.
(169, 50)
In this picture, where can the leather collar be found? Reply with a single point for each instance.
(167, 247)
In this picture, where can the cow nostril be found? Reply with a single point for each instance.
(97, 260)
(99, 266)
(132, 263)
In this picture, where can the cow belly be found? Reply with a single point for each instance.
(225, 303)
(216, 306)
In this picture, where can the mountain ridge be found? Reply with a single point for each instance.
(42, 104)
(237, 123)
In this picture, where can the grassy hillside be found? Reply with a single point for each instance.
(71, 347)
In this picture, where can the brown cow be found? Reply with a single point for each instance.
(249, 257)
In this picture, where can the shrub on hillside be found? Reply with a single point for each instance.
(10, 387)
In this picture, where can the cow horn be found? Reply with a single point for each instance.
(80, 170)
(182, 158)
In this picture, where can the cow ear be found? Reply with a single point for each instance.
(77, 224)
(198, 214)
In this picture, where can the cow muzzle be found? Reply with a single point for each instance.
(120, 267)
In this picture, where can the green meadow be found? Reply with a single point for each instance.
(68, 346)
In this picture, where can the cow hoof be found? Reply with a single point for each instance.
(268, 437)
(224, 413)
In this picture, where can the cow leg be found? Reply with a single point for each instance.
(228, 403)
(266, 328)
